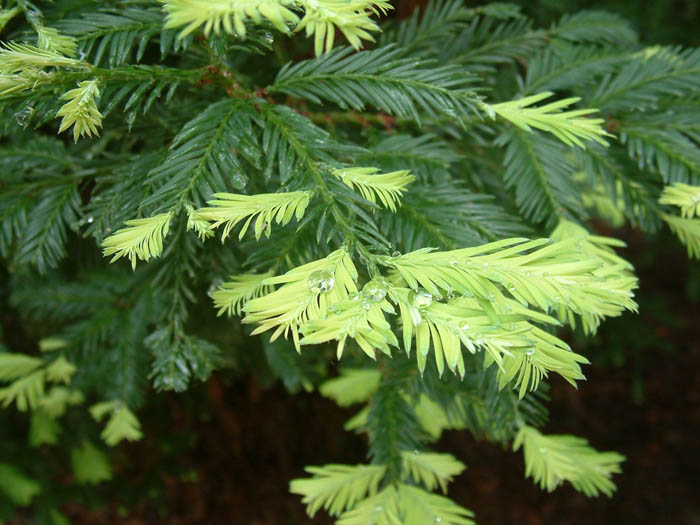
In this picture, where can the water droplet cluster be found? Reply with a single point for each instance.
(374, 291)
(321, 281)
(420, 298)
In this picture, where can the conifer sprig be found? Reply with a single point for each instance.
(306, 294)
(684, 196)
(552, 459)
(229, 209)
(15, 58)
(546, 275)
(373, 185)
(141, 239)
(81, 110)
(571, 127)
(321, 18)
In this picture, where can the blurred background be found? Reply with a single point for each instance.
(229, 447)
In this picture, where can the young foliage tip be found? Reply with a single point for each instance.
(571, 127)
(230, 209)
(683, 196)
(121, 424)
(15, 58)
(387, 188)
(552, 459)
(81, 110)
(231, 296)
(141, 239)
(321, 18)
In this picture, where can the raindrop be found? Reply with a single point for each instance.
(438, 519)
(374, 291)
(420, 298)
(355, 296)
(454, 262)
(90, 220)
(22, 117)
(464, 327)
(396, 254)
(320, 281)
(491, 297)
(530, 351)
(214, 286)
(366, 305)
(485, 264)
(511, 287)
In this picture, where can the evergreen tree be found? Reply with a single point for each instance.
(415, 202)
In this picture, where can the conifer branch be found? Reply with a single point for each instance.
(386, 187)
(81, 110)
(230, 209)
(141, 239)
(567, 126)
(551, 459)
(231, 296)
(684, 196)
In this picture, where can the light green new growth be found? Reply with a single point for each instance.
(81, 110)
(351, 492)
(90, 464)
(58, 399)
(43, 429)
(142, 239)
(352, 386)
(25, 391)
(28, 376)
(357, 317)
(15, 58)
(203, 229)
(373, 185)
(13, 366)
(420, 507)
(684, 196)
(523, 352)
(380, 509)
(613, 268)
(306, 294)
(687, 231)
(351, 17)
(60, 371)
(321, 17)
(229, 15)
(18, 487)
(13, 83)
(50, 39)
(430, 469)
(687, 226)
(336, 488)
(231, 296)
(8, 14)
(552, 459)
(122, 423)
(547, 275)
(266, 208)
(571, 127)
